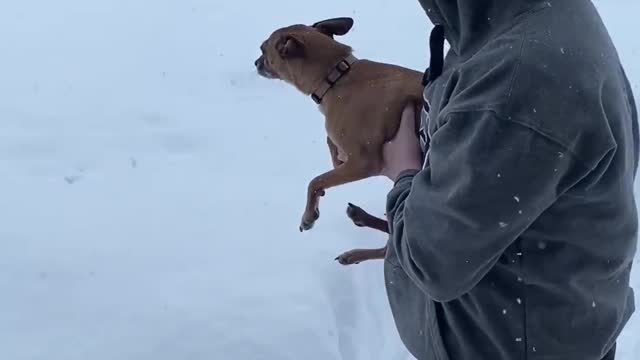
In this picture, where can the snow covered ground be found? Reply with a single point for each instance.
(152, 184)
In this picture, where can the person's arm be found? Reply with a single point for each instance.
(485, 181)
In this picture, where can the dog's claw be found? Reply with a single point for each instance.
(306, 227)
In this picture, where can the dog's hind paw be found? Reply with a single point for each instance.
(356, 214)
(349, 258)
(356, 256)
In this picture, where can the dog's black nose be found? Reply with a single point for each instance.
(258, 61)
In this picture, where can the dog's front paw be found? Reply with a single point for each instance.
(309, 219)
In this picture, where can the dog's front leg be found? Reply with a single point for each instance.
(354, 169)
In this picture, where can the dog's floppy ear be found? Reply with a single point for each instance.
(289, 46)
(335, 26)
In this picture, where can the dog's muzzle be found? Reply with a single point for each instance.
(262, 69)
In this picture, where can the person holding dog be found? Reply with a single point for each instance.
(513, 227)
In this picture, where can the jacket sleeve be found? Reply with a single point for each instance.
(485, 180)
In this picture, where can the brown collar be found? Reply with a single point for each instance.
(336, 73)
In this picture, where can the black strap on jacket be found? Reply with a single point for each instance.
(436, 48)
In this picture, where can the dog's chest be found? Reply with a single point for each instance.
(342, 155)
(336, 133)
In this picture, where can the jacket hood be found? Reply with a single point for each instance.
(468, 24)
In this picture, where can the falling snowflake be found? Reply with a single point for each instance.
(71, 179)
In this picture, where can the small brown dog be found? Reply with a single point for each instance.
(362, 102)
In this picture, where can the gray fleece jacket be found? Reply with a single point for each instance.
(516, 239)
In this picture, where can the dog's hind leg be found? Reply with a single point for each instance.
(364, 219)
(357, 256)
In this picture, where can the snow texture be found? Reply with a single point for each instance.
(153, 184)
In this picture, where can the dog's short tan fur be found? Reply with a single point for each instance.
(362, 110)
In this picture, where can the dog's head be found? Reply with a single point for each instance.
(298, 52)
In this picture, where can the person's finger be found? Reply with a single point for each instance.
(407, 124)
(408, 115)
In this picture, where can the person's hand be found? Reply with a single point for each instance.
(403, 151)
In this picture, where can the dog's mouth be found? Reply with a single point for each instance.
(263, 69)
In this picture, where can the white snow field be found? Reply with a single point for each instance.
(152, 184)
